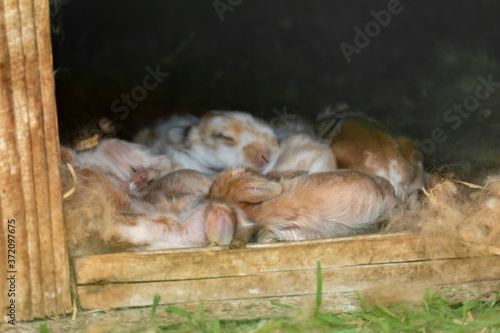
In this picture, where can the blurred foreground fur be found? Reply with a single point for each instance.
(392, 294)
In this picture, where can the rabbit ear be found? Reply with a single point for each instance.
(255, 189)
(220, 224)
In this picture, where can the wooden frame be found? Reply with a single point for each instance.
(233, 283)
(241, 283)
(30, 190)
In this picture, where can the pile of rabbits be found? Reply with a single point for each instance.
(223, 179)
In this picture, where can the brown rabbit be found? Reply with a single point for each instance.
(363, 144)
(308, 206)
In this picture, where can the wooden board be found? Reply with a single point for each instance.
(219, 262)
(29, 163)
(250, 278)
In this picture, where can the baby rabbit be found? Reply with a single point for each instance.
(165, 133)
(121, 160)
(164, 193)
(175, 193)
(302, 152)
(101, 217)
(223, 139)
(286, 125)
(310, 206)
(363, 144)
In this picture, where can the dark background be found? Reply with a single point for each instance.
(271, 55)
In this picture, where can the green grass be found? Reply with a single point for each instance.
(433, 314)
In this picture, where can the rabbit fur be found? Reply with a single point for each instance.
(308, 206)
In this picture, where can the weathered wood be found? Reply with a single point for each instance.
(11, 195)
(29, 166)
(29, 248)
(241, 282)
(291, 282)
(220, 262)
(60, 271)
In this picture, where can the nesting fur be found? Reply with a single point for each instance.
(462, 216)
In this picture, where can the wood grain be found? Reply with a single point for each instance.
(291, 282)
(220, 262)
(60, 271)
(29, 166)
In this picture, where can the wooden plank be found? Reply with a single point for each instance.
(21, 35)
(34, 160)
(290, 283)
(11, 195)
(29, 167)
(56, 239)
(217, 262)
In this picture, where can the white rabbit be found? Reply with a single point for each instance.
(101, 217)
(361, 143)
(223, 139)
(165, 133)
(302, 152)
(122, 159)
(310, 206)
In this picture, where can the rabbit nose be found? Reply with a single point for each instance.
(267, 155)
(257, 156)
(261, 160)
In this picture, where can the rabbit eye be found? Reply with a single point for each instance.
(224, 137)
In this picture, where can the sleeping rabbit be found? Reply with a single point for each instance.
(220, 140)
(166, 133)
(302, 152)
(101, 216)
(363, 144)
(122, 159)
(308, 206)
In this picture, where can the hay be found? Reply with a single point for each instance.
(459, 214)
(75, 179)
(455, 216)
(459, 217)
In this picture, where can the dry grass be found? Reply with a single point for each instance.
(459, 214)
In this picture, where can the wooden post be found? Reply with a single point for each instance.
(30, 190)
